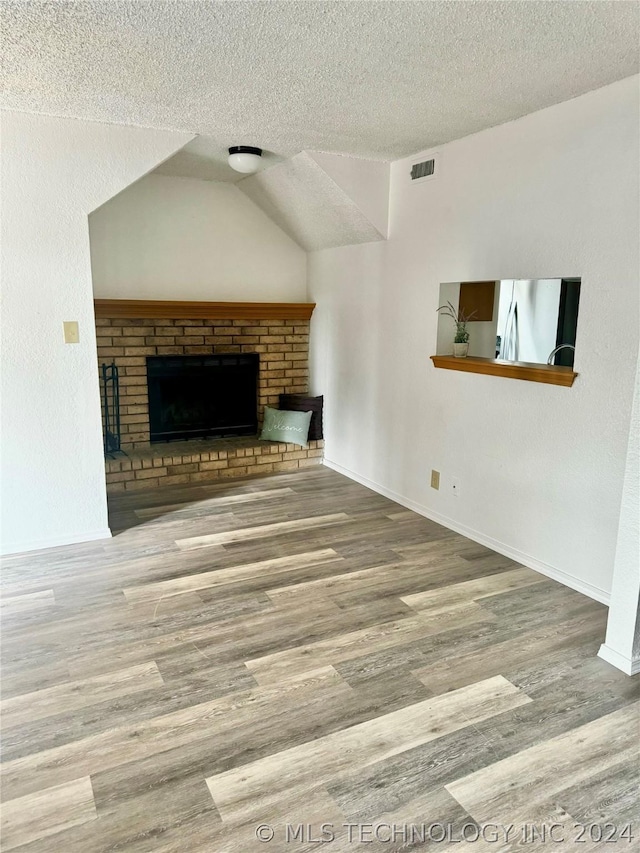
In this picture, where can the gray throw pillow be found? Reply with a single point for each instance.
(292, 427)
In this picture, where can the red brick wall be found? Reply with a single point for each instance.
(283, 347)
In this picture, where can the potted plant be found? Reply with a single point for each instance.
(460, 318)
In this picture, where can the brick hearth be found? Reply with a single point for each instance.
(173, 462)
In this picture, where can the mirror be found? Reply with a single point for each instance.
(523, 320)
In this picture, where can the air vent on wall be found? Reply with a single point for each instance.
(425, 170)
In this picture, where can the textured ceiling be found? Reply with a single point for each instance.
(300, 197)
(372, 79)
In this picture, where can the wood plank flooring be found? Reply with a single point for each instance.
(297, 651)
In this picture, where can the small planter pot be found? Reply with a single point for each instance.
(460, 350)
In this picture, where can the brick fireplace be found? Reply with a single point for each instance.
(280, 338)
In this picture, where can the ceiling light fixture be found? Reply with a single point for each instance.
(245, 158)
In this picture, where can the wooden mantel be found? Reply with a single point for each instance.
(149, 309)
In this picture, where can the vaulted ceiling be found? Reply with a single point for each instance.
(309, 81)
(310, 202)
(377, 80)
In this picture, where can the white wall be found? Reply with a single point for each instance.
(181, 238)
(540, 467)
(622, 645)
(54, 172)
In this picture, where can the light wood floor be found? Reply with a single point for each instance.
(298, 649)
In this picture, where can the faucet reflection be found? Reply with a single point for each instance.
(557, 349)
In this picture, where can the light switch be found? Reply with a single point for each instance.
(71, 332)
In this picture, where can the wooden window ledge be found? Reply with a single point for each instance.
(551, 374)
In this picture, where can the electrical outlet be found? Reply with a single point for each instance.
(435, 479)
(455, 487)
(71, 332)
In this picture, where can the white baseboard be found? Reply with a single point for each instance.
(9, 548)
(630, 666)
(527, 560)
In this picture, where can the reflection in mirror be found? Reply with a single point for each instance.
(526, 320)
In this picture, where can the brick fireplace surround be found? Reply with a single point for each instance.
(283, 346)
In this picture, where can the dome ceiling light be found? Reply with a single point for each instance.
(245, 158)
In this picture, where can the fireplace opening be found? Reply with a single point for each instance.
(202, 395)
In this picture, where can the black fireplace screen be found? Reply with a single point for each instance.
(111, 408)
(195, 396)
